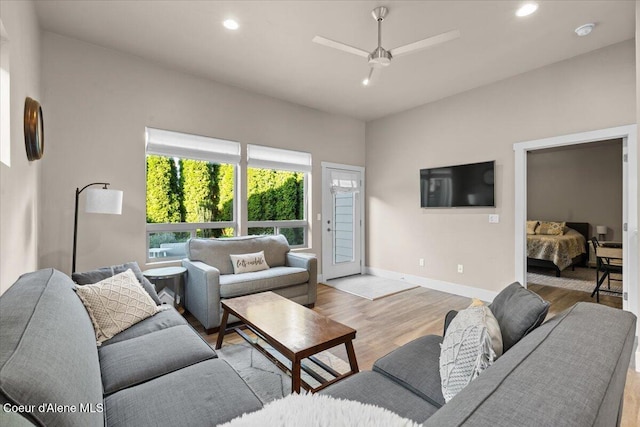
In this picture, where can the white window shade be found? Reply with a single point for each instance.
(176, 144)
(262, 157)
(344, 182)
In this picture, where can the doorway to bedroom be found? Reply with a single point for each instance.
(579, 188)
(629, 161)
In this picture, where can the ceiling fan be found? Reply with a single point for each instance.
(380, 57)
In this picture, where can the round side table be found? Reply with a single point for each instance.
(173, 275)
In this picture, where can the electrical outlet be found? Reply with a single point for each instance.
(460, 268)
(421, 262)
(494, 219)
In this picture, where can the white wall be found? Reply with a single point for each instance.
(98, 102)
(580, 183)
(587, 92)
(19, 183)
(637, 237)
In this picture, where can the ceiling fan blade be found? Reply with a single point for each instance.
(425, 43)
(340, 46)
(374, 74)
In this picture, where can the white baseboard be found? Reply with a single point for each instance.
(438, 285)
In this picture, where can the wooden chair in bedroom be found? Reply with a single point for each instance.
(608, 260)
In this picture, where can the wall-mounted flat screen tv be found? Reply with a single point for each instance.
(458, 186)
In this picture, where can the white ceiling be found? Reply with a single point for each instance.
(272, 52)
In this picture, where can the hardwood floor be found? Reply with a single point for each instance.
(386, 324)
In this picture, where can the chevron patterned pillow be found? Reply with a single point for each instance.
(116, 303)
(466, 350)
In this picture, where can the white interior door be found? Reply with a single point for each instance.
(342, 220)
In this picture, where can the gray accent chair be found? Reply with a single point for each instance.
(570, 371)
(158, 372)
(210, 275)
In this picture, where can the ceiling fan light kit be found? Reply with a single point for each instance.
(381, 57)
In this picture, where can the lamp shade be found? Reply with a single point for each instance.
(601, 229)
(104, 201)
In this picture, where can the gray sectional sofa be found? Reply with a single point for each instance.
(158, 372)
(570, 371)
(210, 275)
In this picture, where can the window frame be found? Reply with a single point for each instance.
(5, 98)
(190, 227)
(303, 166)
(239, 223)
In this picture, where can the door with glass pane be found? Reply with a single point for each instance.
(342, 195)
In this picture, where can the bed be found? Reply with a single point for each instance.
(559, 252)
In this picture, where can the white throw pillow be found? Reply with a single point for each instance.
(493, 327)
(116, 303)
(247, 263)
(466, 349)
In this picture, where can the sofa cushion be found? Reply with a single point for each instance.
(141, 359)
(569, 371)
(48, 349)
(205, 394)
(233, 285)
(466, 349)
(95, 276)
(518, 311)
(216, 252)
(377, 389)
(165, 319)
(415, 367)
(116, 303)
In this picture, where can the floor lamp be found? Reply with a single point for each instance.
(99, 200)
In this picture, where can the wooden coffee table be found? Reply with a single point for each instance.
(293, 330)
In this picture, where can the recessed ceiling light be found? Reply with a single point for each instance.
(230, 24)
(585, 30)
(527, 9)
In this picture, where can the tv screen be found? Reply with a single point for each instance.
(468, 185)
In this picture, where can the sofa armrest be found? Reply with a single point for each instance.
(447, 320)
(202, 292)
(310, 263)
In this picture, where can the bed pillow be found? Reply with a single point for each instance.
(551, 228)
(116, 303)
(247, 263)
(531, 227)
(466, 350)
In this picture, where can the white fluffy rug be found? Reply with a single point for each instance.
(314, 410)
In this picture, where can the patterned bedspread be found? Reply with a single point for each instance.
(558, 249)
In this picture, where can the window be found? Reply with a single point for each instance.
(190, 192)
(277, 192)
(5, 98)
